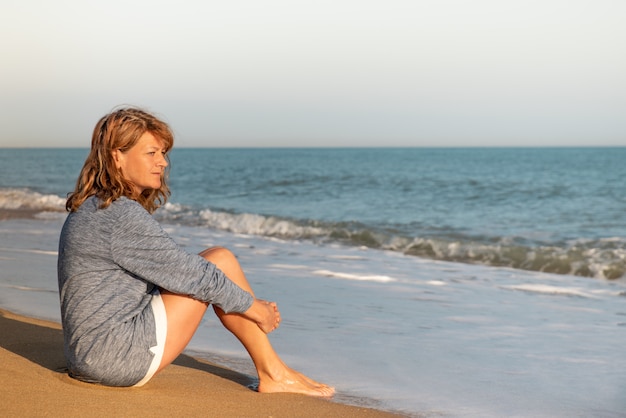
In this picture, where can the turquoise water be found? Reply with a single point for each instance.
(385, 264)
(559, 210)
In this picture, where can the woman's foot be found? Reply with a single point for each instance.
(289, 380)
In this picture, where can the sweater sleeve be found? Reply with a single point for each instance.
(141, 247)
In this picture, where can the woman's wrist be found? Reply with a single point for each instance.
(255, 311)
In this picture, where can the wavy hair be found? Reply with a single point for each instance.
(119, 130)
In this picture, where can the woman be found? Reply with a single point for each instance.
(131, 299)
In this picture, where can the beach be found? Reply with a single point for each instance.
(35, 383)
(480, 342)
(417, 326)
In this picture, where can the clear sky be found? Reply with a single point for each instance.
(318, 73)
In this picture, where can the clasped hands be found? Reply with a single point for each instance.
(265, 314)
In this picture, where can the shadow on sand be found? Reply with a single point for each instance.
(42, 343)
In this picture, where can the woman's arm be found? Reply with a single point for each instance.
(142, 248)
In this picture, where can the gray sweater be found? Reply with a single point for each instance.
(109, 262)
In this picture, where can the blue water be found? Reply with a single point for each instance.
(415, 280)
(560, 210)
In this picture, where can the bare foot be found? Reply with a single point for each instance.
(291, 381)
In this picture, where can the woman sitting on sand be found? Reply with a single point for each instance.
(131, 298)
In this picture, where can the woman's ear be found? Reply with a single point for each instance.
(118, 158)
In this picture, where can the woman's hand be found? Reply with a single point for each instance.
(265, 314)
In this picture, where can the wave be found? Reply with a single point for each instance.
(25, 199)
(600, 258)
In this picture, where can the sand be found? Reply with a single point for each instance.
(35, 383)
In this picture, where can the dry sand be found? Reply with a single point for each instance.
(35, 384)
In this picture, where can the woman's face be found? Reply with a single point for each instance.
(143, 164)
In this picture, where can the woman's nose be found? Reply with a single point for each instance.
(163, 161)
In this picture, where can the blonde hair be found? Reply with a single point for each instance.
(100, 177)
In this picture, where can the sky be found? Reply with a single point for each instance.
(276, 73)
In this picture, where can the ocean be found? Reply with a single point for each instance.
(481, 282)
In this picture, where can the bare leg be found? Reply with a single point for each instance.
(186, 313)
(183, 318)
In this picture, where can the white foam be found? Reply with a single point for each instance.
(550, 290)
(348, 276)
(172, 207)
(253, 224)
(289, 266)
(26, 199)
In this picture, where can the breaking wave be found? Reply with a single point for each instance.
(25, 199)
(601, 258)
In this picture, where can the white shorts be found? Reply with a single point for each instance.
(160, 321)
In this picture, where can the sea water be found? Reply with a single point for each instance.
(435, 282)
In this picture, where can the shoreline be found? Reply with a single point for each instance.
(36, 383)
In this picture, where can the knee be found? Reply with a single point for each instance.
(219, 256)
(227, 262)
